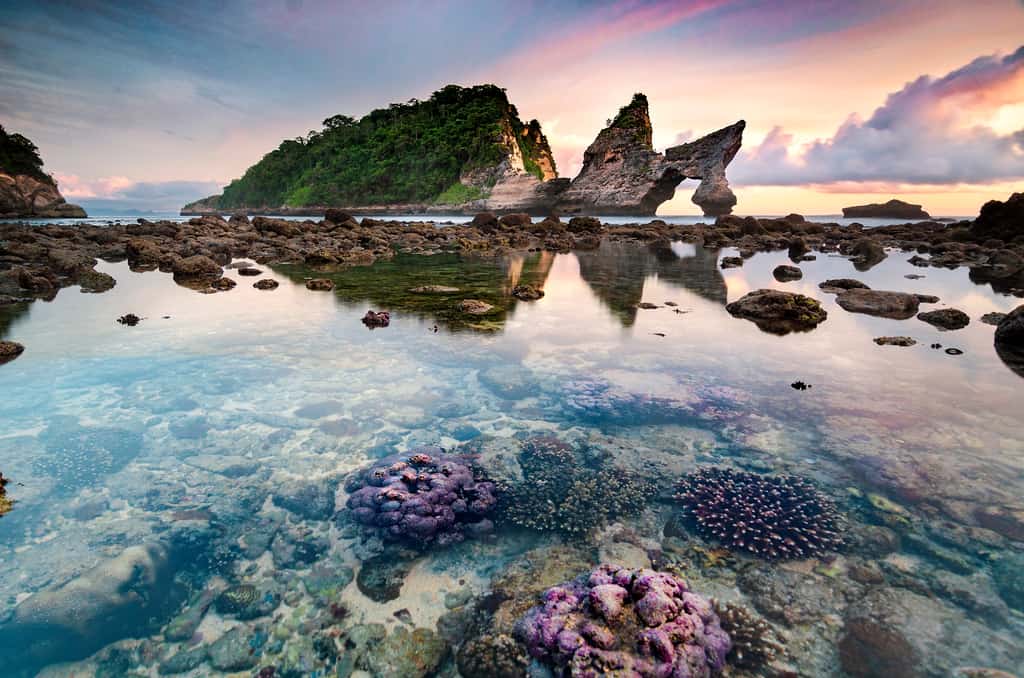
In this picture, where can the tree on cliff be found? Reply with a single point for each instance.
(18, 155)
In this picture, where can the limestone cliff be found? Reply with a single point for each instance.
(622, 173)
(25, 190)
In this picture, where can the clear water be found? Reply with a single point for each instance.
(182, 428)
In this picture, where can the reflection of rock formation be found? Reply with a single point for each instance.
(433, 286)
(616, 273)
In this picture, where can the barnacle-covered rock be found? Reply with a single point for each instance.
(773, 517)
(660, 628)
(561, 493)
(423, 496)
(754, 644)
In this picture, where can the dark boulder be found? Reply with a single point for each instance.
(779, 312)
(946, 318)
(998, 219)
(484, 221)
(1010, 330)
(896, 305)
(9, 350)
(787, 273)
(837, 285)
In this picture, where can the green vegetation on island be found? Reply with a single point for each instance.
(447, 149)
(18, 155)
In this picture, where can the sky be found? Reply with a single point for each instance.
(150, 104)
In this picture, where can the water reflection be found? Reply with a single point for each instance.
(617, 273)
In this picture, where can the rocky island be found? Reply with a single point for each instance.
(25, 190)
(893, 209)
(466, 150)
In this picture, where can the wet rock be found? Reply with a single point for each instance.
(974, 593)
(1008, 576)
(310, 500)
(779, 312)
(866, 254)
(249, 271)
(1000, 219)
(787, 273)
(527, 292)
(992, 318)
(797, 248)
(266, 284)
(185, 660)
(793, 598)
(190, 428)
(1010, 330)
(474, 307)
(869, 649)
(326, 581)
(413, 654)
(732, 262)
(223, 284)
(381, 578)
(184, 625)
(320, 285)
(511, 382)
(338, 217)
(95, 282)
(484, 220)
(895, 341)
(9, 350)
(129, 320)
(295, 547)
(895, 305)
(945, 318)
(1006, 521)
(837, 285)
(234, 651)
(196, 267)
(121, 597)
(374, 319)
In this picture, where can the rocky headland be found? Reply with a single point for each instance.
(25, 190)
(893, 209)
(507, 171)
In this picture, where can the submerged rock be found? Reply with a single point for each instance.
(527, 292)
(374, 319)
(1010, 330)
(474, 307)
(234, 651)
(895, 305)
(380, 578)
(266, 284)
(320, 285)
(778, 312)
(412, 654)
(837, 285)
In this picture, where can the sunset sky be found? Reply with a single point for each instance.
(149, 104)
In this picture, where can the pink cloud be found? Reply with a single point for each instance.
(72, 186)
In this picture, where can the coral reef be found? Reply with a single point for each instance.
(559, 493)
(773, 517)
(626, 622)
(491, 656)
(424, 497)
(754, 644)
(598, 401)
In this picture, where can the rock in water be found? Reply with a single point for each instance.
(946, 318)
(1001, 220)
(25, 190)
(779, 312)
(374, 319)
(894, 209)
(1010, 330)
(786, 273)
(622, 174)
(895, 341)
(121, 597)
(9, 350)
(896, 305)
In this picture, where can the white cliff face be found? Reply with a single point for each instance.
(25, 196)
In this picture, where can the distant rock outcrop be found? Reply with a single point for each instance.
(515, 171)
(894, 209)
(622, 174)
(25, 190)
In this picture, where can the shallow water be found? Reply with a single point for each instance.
(179, 430)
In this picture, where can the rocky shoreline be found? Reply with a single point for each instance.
(35, 262)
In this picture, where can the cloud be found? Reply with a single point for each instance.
(113, 193)
(933, 131)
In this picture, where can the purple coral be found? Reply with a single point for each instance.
(423, 496)
(626, 622)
